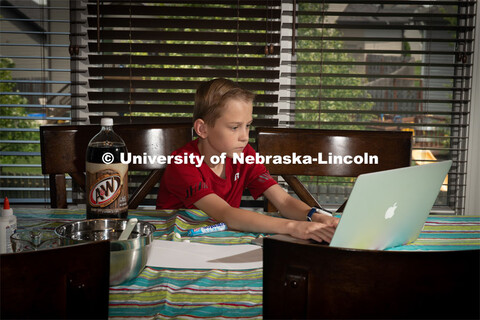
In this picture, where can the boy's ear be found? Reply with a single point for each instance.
(200, 128)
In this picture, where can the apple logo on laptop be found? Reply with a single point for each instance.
(391, 211)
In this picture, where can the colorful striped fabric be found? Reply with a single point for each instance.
(447, 233)
(160, 293)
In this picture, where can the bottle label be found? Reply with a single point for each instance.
(107, 188)
(10, 230)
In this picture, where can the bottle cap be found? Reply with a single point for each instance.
(7, 211)
(106, 122)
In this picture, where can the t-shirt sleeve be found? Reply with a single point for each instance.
(259, 178)
(185, 182)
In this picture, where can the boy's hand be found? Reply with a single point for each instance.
(325, 219)
(313, 230)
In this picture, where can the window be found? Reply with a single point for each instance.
(146, 58)
(35, 90)
(383, 65)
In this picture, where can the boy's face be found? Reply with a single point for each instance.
(230, 132)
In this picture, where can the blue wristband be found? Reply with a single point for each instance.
(319, 210)
(310, 214)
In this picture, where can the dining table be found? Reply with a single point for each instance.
(190, 293)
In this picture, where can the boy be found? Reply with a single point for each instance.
(222, 117)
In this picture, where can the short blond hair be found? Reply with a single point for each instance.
(211, 97)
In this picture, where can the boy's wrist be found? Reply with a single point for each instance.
(290, 226)
(315, 213)
(310, 213)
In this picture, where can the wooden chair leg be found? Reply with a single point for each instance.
(140, 193)
(79, 178)
(342, 207)
(300, 190)
(58, 191)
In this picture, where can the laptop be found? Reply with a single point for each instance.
(389, 208)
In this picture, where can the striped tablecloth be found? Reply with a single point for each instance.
(160, 293)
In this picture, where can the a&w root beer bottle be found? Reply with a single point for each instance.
(107, 177)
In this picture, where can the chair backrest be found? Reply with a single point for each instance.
(63, 149)
(392, 148)
(62, 283)
(311, 281)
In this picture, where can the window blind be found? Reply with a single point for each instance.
(383, 65)
(146, 58)
(35, 90)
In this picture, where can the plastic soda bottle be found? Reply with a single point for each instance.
(107, 178)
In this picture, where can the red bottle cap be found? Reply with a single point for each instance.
(6, 204)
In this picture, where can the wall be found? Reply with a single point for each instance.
(472, 203)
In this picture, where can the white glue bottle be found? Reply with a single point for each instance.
(8, 226)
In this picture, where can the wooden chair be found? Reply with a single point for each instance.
(393, 150)
(69, 282)
(310, 281)
(63, 151)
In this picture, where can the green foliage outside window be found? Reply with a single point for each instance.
(314, 111)
(17, 113)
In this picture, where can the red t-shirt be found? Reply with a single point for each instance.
(184, 184)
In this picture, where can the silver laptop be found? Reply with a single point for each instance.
(389, 208)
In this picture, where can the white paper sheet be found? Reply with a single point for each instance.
(190, 255)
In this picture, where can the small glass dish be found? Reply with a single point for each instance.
(33, 240)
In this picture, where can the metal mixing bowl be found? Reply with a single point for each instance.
(127, 257)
